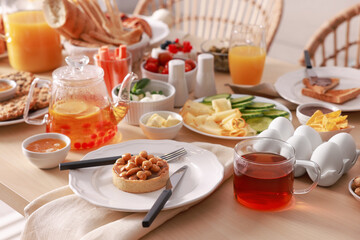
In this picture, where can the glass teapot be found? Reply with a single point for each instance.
(80, 106)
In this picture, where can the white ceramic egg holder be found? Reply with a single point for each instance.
(334, 157)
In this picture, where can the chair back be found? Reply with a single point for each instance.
(213, 19)
(337, 41)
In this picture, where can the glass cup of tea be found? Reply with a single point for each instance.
(247, 52)
(264, 173)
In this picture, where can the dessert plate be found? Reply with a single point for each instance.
(95, 185)
(256, 99)
(289, 85)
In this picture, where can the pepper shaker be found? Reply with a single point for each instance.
(205, 77)
(177, 79)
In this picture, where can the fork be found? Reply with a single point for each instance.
(111, 160)
(174, 155)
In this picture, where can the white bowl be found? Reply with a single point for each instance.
(9, 93)
(137, 108)
(303, 118)
(329, 134)
(49, 159)
(190, 76)
(351, 191)
(164, 132)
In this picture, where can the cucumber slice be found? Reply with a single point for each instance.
(241, 99)
(217, 96)
(247, 116)
(242, 104)
(273, 113)
(259, 124)
(254, 110)
(261, 105)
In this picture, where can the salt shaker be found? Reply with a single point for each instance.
(177, 79)
(205, 77)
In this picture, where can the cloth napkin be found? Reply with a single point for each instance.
(263, 90)
(60, 214)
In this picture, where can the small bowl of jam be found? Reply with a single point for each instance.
(46, 150)
(306, 110)
(7, 89)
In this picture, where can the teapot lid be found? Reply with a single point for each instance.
(78, 69)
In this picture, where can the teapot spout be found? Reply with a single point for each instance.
(124, 92)
(121, 106)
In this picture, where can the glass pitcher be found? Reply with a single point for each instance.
(80, 106)
(32, 44)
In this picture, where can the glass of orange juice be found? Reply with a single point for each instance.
(247, 54)
(32, 44)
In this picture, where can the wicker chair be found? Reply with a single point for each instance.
(337, 42)
(211, 19)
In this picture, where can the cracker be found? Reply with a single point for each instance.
(42, 98)
(14, 108)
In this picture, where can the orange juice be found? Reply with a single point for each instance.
(84, 123)
(246, 64)
(32, 44)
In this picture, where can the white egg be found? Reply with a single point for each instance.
(272, 133)
(303, 151)
(346, 144)
(328, 156)
(266, 145)
(284, 127)
(311, 134)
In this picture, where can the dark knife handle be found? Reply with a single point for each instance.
(88, 163)
(156, 208)
(307, 59)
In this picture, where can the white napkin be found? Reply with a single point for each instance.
(60, 214)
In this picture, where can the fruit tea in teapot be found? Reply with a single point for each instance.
(80, 106)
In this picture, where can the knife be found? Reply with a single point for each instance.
(171, 184)
(311, 74)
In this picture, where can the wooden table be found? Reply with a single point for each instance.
(325, 213)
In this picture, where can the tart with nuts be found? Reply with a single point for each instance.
(141, 173)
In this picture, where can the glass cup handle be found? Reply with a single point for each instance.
(34, 121)
(312, 166)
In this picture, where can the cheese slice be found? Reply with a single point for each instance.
(155, 121)
(221, 104)
(170, 121)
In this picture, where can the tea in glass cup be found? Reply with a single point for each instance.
(247, 54)
(264, 173)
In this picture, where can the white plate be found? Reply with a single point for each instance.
(34, 114)
(95, 185)
(159, 30)
(289, 85)
(256, 99)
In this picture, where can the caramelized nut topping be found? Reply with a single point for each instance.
(142, 166)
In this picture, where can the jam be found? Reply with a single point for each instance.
(309, 111)
(4, 86)
(46, 145)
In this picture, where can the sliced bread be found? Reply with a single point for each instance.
(320, 85)
(334, 96)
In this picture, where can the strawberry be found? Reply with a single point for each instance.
(152, 67)
(165, 71)
(191, 63)
(153, 60)
(187, 67)
(161, 69)
(164, 58)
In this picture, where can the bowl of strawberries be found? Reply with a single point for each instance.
(157, 69)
